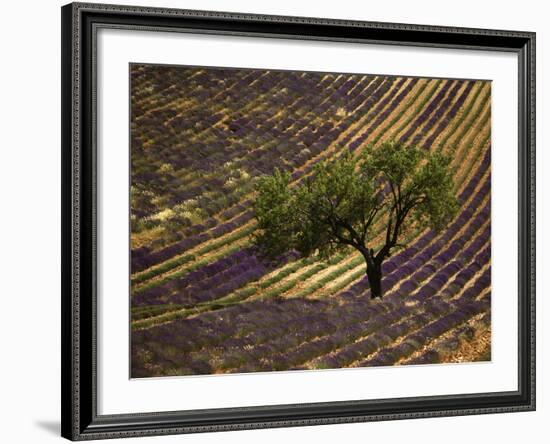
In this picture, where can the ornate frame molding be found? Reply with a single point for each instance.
(80, 420)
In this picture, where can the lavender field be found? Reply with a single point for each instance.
(205, 301)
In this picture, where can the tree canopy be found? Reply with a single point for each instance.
(337, 205)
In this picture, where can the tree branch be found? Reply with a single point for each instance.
(399, 198)
(345, 224)
(366, 224)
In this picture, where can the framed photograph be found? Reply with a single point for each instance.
(280, 221)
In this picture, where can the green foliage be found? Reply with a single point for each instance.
(335, 207)
(304, 217)
(421, 182)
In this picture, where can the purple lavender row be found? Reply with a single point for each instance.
(317, 147)
(451, 315)
(193, 192)
(450, 115)
(144, 258)
(257, 158)
(369, 98)
(271, 332)
(237, 80)
(268, 334)
(436, 354)
(210, 154)
(375, 102)
(383, 116)
(393, 305)
(458, 280)
(165, 154)
(140, 78)
(354, 351)
(190, 243)
(386, 113)
(256, 128)
(431, 307)
(250, 266)
(438, 113)
(398, 260)
(228, 323)
(194, 119)
(230, 343)
(440, 305)
(158, 294)
(285, 353)
(324, 128)
(212, 281)
(445, 269)
(417, 271)
(427, 111)
(278, 316)
(277, 339)
(349, 334)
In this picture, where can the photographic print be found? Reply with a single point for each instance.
(290, 220)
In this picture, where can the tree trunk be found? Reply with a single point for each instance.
(374, 273)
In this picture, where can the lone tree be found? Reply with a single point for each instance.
(339, 205)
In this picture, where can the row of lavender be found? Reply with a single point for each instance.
(274, 159)
(435, 269)
(235, 270)
(335, 322)
(270, 335)
(282, 152)
(318, 146)
(212, 292)
(202, 139)
(235, 223)
(201, 286)
(143, 257)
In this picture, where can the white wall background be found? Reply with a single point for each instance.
(30, 221)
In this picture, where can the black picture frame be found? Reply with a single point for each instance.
(79, 385)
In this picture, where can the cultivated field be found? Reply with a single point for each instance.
(204, 301)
